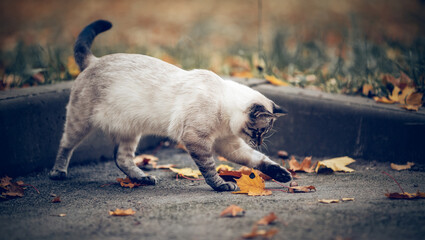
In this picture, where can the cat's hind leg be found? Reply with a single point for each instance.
(125, 149)
(76, 129)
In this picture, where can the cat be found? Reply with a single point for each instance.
(131, 95)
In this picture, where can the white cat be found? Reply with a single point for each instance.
(130, 95)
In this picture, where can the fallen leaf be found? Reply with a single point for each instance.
(187, 172)
(267, 219)
(347, 199)
(126, 182)
(305, 165)
(252, 184)
(165, 166)
(367, 89)
(260, 233)
(275, 81)
(224, 167)
(122, 212)
(72, 67)
(232, 211)
(336, 164)
(327, 201)
(405, 195)
(301, 189)
(383, 100)
(414, 99)
(62, 214)
(11, 189)
(246, 74)
(145, 159)
(397, 167)
(57, 199)
(411, 107)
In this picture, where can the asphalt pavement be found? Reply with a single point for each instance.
(190, 209)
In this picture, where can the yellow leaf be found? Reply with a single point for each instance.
(336, 164)
(233, 211)
(366, 89)
(395, 95)
(407, 91)
(275, 81)
(187, 172)
(347, 199)
(72, 66)
(224, 167)
(327, 201)
(126, 182)
(122, 212)
(383, 100)
(252, 184)
(397, 167)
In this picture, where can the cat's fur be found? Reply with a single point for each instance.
(130, 95)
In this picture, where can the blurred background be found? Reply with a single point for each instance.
(329, 45)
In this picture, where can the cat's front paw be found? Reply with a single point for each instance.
(277, 172)
(56, 174)
(145, 180)
(227, 186)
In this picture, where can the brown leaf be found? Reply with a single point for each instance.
(126, 182)
(145, 159)
(405, 195)
(397, 167)
(232, 211)
(260, 233)
(11, 189)
(414, 99)
(122, 212)
(56, 200)
(305, 165)
(267, 219)
(411, 107)
(301, 189)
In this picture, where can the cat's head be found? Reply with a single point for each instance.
(259, 122)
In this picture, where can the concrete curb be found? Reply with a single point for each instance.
(318, 124)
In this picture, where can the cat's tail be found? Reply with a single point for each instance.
(85, 39)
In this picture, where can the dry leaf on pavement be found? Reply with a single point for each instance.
(335, 164)
(145, 159)
(224, 167)
(397, 167)
(232, 211)
(327, 201)
(275, 81)
(126, 182)
(11, 189)
(405, 195)
(186, 172)
(305, 165)
(122, 212)
(301, 189)
(267, 219)
(260, 233)
(347, 199)
(252, 184)
(57, 199)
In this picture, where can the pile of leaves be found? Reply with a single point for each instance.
(10, 189)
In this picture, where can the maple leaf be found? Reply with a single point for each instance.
(126, 182)
(301, 189)
(335, 164)
(397, 167)
(275, 81)
(328, 201)
(252, 184)
(305, 165)
(260, 233)
(232, 211)
(266, 220)
(187, 172)
(145, 159)
(405, 195)
(223, 167)
(122, 212)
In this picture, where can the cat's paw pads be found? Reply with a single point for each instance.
(278, 173)
(56, 174)
(227, 186)
(146, 180)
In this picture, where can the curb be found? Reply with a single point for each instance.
(329, 125)
(318, 125)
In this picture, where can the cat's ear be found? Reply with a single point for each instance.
(279, 111)
(258, 110)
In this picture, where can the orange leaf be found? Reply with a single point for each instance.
(397, 167)
(405, 195)
(267, 219)
(72, 67)
(305, 165)
(383, 100)
(126, 182)
(232, 211)
(252, 184)
(275, 81)
(260, 233)
(242, 74)
(301, 189)
(122, 212)
(367, 89)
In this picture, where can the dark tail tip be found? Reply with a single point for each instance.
(85, 40)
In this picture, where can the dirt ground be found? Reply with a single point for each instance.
(186, 209)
